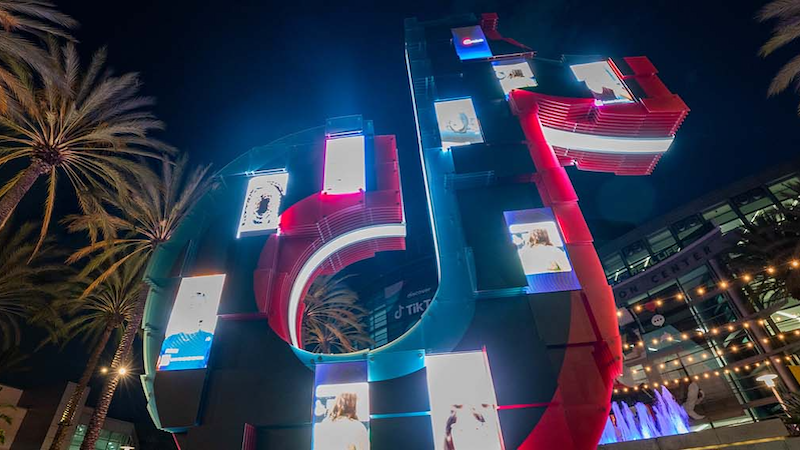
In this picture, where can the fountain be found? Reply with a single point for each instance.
(667, 418)
(609, 433)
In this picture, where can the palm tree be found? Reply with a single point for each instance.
(20, 19)
(25, 287)
(766, 251)
(772, 243)
(82, 124)
(333, 319)
(142, 219)
(786, 14)
(94, 318)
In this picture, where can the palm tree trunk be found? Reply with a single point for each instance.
(9, 202)
(72, 405)
(121, 359)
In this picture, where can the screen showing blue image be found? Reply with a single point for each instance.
(540, 247)
(458, 122)
(341, 407)
(190, 331)
(471, 43)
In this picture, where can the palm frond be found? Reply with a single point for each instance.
(333, 319)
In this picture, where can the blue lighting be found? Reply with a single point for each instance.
(471, 43)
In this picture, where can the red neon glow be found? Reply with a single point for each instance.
(470, 41)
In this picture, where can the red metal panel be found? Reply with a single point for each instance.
(658, 115)
(579, 408)
(315, 220)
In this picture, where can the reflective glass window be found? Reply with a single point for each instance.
(663, 244)
(753, 203)
(786, 191)
(723, 216)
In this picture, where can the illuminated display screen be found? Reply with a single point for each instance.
(541, 251)
(341, 407)
(458, 123)
(604, 83)
(191, 326)
(345, 165)
(463, 402)
(514, 75)
(471, 43)
(262, 203)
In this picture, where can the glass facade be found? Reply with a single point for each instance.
(686, 326)
(108, 440)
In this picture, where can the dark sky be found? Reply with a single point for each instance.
(233, 75)
(230, 77)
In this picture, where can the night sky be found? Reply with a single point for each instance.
(230, 76)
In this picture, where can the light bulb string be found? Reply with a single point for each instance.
(723, 285)
(745, 365)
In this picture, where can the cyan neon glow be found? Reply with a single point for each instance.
(345, 165)
(325, 252)
(605, 144)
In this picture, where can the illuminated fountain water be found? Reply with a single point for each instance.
(667, 418)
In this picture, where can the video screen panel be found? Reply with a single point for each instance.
(190, 331)
(262, 204)
(604, 83)
(463, 402)
(458, 123)
(514, 75)
(341, 407)
(345, 165)
(471, 43)
(540, 247)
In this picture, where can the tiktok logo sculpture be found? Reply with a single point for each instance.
(519, 345)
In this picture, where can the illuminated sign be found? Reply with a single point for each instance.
(596, 143)
(458, 123)
(541, 250)
(191, 326)
(470, 43)
(321, 254)
(463, 402)
(262, 203)
(514, 75)
(345, 165)
(604, 83)
(341, 407)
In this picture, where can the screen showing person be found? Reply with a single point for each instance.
(539, 245)
(514, 75)
(463, 405)
(190, 331)
(540, 248)
(262, 203)
(341, 407)
(458, 123)
(603, 81)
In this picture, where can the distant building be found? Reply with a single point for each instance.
(682, 314)
(35, 414)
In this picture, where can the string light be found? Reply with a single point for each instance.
(707, 375)
(717, 331)
(723, 284)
